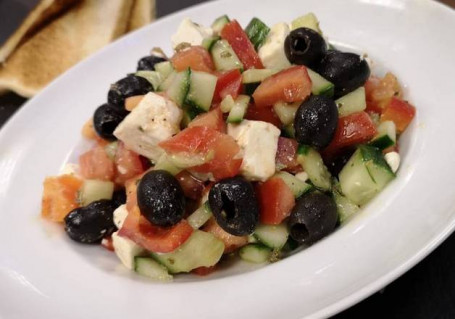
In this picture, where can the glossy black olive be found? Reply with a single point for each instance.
(234, 206)
(160, 198)
(313, 217)
(336, 163)
(347, 71)
(91, 223)
(126, 87)
(119, 197)
(148, 62)
(106, 119)
(316, 121)
(304, 46)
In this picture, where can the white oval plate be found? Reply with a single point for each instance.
(44, 275)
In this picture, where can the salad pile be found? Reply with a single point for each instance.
(249, 142)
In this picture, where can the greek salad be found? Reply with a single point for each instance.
(248, 142)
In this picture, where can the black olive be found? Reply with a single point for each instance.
(336, 163)
(126, 87)
(148, 62)
(316, 121)
(106, 119)
(347, 71)
(91, 223)
(160, 198)
(313, 217)
(305, 46)
(234, 206)
(119, 197)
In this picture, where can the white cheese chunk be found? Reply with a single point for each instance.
(153, 120)
(259, 142)
(190, 32)
(303, 176)
(393, 159)
(126, 250)
(120, 215)
(272, 51)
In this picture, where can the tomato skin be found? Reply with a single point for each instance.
(212, 119)
(95, 164)
(231, 242)
(204, 271)
(154, 238)
(228, 83)
(286, 155)
(196, 58)
(241, 44)
(265, 114)
(290, 85)
(127, 163)
(276, 201)
(59, 197)
(379, 91)
(400, 112)
(192, 187)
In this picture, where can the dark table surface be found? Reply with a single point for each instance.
(426, 291)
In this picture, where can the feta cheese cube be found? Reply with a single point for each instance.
(126, 250)
(393, 159)
(120, 215)
(259, 142)
(190, 32)
(153, 120)
(272, 51)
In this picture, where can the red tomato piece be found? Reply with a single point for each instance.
(379, 91)
(213, 119)
(96, 164)
(265, 114)
(196, 58)
(127, 163)
(400, 112)
(192, 187)
(154, 238)
(231, 242)
(286, 155)
(241, 44)
(352, 129)
(204, 271)
(228, 83)
(290, 85)
(276, 201)
(108, 243)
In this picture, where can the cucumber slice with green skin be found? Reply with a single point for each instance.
(313, 165)
(201, 90)
(297, 187)
(386, 137)
(209, 42)
(307, 21)
(227, 104)
(164, 68)
(164, 163)
(93, 190)
(202, 249)
(179, 87)
(249, 88)
(346, 208)
(111, 149)
(152, 76)
(148, 267)
(319, 85)
(239, 109)
(352, 102)
(167, 82)
(288, 131)
(273, 236)
(255, 253)
(200, 216)
(256, 75)
(219, 23)
(286, 111)
(224, 57)
(364, 175)
(257, 32)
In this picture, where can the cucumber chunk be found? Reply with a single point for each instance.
(364, 175)
(166, 83)
(286, 111)
(179, 87)
(313, 165)
(297, 187)
(227, 104)
(219, 23)
(93, 190)
(238, 110)
(273, 236)
(164, 69)
(288, 131)
(152, 76)
(202, 249)
(201, 90)
(307, 21)
(209, 42)
(346, 208)
(257, 32)
(352, 102)
(148, 267)
(200, 216)
(164, 163)
(224, 57)
(319, 85)
(256, 75)
(255, 253)
(386, 137)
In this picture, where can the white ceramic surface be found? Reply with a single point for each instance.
(44, 275)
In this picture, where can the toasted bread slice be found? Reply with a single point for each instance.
(87, 27)
(39, 16)
(143, 13)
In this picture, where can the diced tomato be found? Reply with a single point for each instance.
(276, 201)
(108, 243)
(131, 193)
(88, 131)
(379, 92)
(228, 83)
(201, 140)
(352, 129)
(204, 271)
(231, 242)
(286, 155)
(290, 85)
(95, 164)
(196, 58)
(59, 196)
(265, 114)
(400, 112)
(241, 44)
(127, 163)
(213, 119)
(192, 187)
(154, 238)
